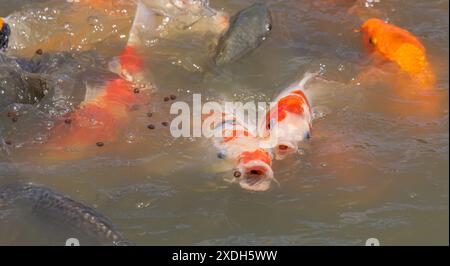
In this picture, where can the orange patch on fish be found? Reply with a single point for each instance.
(400, 46)
(130, 62)
(98, 120)
(292, 103)
(235, 134)
(258, 155)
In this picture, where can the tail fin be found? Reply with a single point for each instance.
(298, 85)
(129, 64)
(143, 21)
(307, 77)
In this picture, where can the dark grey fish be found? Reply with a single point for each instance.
(19, 86)
(61, 210)
(248, 29)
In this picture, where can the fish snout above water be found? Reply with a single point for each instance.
(254, 172)
(248, 29)
(285, 148)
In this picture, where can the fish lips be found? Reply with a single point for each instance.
(255, 176)
(284, 148)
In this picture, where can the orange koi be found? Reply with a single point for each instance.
(98, 120)
(400, 46)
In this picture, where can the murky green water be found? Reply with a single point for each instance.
(376, 166)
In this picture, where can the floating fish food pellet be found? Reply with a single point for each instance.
(151, 126)
(11, 114)
(100, 144)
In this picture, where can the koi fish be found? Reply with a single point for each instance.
(289, 121)
(395, 44)
(240, 146)
(100, 118)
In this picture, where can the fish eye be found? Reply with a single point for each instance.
(307, 135)
(372, 41)
(221, 155)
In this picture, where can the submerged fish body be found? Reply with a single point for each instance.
(99, 119)
(107, 109)
(52, 79)
(248, 29)
(61, 210)
(19, 85)
(289, 121)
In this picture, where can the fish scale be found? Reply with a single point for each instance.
(61, 210)
(248, 29)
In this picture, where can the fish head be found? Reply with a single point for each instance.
(287, 133)
(390, 40)
(5, 32)
(371, 31)
(254, 171)
(288, 123)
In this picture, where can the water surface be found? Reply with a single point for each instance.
(376, 166)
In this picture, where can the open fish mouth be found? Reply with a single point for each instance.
(255, 176)
(283, 149)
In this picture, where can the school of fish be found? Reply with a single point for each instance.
(106, 109)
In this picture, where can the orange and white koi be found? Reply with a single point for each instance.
(99, 119)
(395, 44)
(240, 146)
(289, 121)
